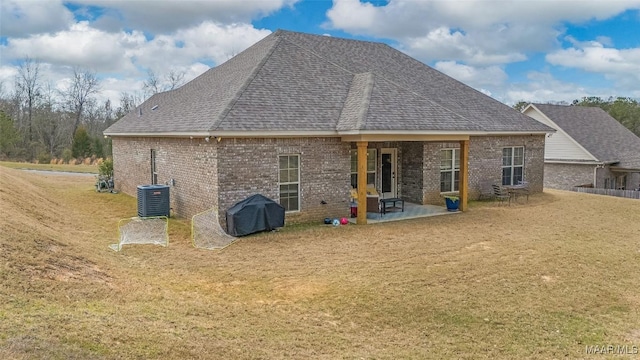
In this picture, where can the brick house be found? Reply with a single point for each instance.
(589, 148)
(303, 119)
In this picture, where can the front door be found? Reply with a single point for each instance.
(389, 170)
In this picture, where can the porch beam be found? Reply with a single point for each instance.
(404, 137)
(362, 182)
(463, 186)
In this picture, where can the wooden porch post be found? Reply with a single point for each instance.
(464, 174)
(362, 182)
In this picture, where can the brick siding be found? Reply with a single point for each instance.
(249, 166)
(412, 176)
(191, 163)
(485, 165)
(485, 160)
(210, 174)
(566, 176)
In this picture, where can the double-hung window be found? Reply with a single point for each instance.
(512, 165)
(371, 167)
(449, 170)
(289, 182)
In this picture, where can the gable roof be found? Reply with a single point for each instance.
(599, 133)
(310, 84)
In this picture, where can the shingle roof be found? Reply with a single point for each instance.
(599, 133)
(299, 82)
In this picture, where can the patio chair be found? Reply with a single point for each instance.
(486, 191)
(522, 189)
(501, 193)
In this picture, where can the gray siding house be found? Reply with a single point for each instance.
(304, 119)
(589, 148)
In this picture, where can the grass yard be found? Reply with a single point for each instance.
(81, 168)
(540, 280)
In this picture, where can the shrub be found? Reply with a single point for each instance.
(67, 155)
(106, 167)
(44, 158)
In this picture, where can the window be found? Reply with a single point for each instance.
(371, 167)
(154, 170)
(449, 170)
(289, 181)
(512, 165)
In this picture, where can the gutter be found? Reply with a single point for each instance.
(319, 133)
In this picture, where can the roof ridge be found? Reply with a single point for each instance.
(373, 73)
(223, 114)
(356, 103)
(370, 80)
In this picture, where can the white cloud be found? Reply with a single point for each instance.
(542, 87)
(620, 65)
(130, 54)
(23, 17)
(169, 16)
(207, 41)
(469, 30)
(443, 43)
(477, 77)
(80, 45)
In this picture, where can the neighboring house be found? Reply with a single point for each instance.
(294, 115)
(589, 148)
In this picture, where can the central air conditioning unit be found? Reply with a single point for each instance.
(153, 200)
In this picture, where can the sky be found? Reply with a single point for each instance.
(519, 50)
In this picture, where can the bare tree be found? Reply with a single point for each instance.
(51, 124)
(128, 102)
(84, 84)
(151, 86)
(175, 79)
(28, 88)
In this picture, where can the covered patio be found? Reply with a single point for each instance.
(411, 211)
(414, 210)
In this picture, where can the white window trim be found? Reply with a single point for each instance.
(291, 182)
(512, 166)
(375, 168)
(455, 152)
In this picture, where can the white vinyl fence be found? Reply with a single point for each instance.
(631, 194)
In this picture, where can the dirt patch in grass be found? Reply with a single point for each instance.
(538, 279)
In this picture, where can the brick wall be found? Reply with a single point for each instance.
(485, 165)
(191, 163)
(566, 176)
(249, 166)
(209, 174)
(411, 173)
(222, 173)
(485, 160)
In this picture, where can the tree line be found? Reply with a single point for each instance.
(624, 109)
(39, 121)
